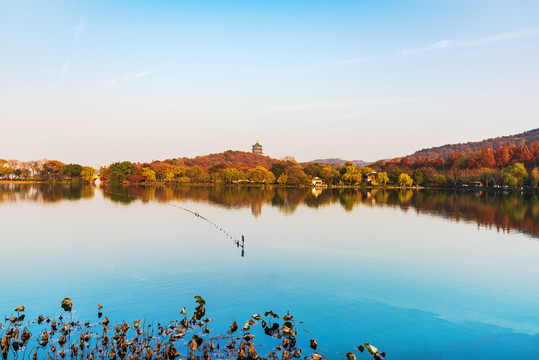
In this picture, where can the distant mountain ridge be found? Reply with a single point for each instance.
(339, 162)
(444, 151)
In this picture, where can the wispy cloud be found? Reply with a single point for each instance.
(116, 81)
(63, 74)
(142, 74)
(334, 105)
(64, 69)
(354, 116)
(474, 42)
(372, 102)
(78, 30)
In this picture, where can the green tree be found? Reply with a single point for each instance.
(394, 176)
(119, 171)
(418, 176)
(72, 170)
(312, 170)
(437, 181)
(87, 173)
(514, 175)
(510, 180)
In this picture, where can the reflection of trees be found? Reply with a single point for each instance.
(45, 193)
(349, 197)
(489, 209)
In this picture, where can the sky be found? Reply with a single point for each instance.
(95, 82)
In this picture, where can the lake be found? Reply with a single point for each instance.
(420, 274)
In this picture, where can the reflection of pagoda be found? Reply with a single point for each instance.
(257, 148)
(256, 209)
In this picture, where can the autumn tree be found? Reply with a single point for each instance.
(53, 169)
(24, 169)
(148, 173)
(283, 179)
(534, 178)
(296, 176)
(230, 175)
(312, 170)
(326, 174)
(260, 175)
(197, 174)
(502, 156)
(483, 158)
(161, 169)
(3, 168)
(349, 173)
(281, 167)
(382, 178)
(405, 180)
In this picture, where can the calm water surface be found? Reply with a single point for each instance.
(422, 275)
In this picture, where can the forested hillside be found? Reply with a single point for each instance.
(232, 159)
(445, 151)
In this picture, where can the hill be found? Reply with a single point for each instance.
(236, 159)
(336, 162)
(525, 138)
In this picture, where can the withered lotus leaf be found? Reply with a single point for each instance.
(200, 301)
(67, 304)
(373, 350)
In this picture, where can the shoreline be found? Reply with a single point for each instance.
(263, 186)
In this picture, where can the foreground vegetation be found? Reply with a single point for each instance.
(187, 338)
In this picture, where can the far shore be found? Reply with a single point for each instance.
(358, 187)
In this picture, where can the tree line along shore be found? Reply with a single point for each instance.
(507, 166)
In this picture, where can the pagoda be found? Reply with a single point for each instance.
(257, 148)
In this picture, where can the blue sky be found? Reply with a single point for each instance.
(99, 81)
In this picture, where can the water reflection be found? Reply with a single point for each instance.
(503, 211)
(45, 193)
